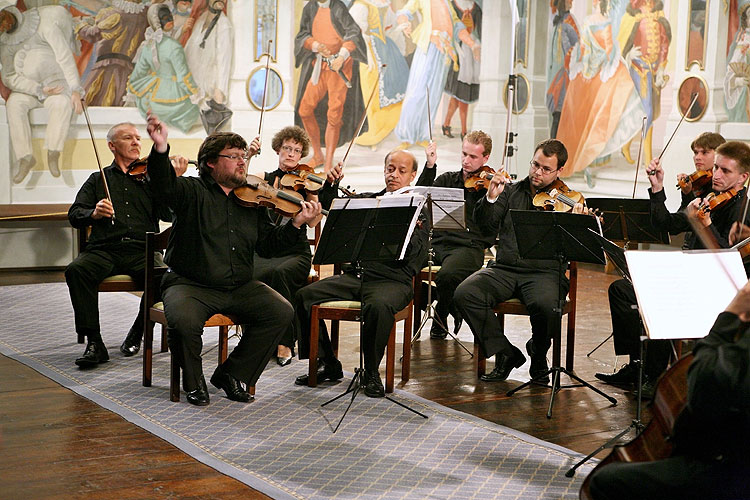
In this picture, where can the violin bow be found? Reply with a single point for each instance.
(687, 112)
(265, 87)
(362, 119)
(98, 161)
(429, 117)
(640, 149)
(507, 140)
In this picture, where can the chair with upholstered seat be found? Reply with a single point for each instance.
(154, 313)
(344, 310)
(515, 306)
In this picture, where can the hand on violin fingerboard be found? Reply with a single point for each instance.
(254, 147)
(694, 211)
(655, 175)
(310, 211)
(335, 174)
(683, 182)
(430, 153)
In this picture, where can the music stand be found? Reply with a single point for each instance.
(367, 230)
(562, 237)
(627, 220)
(445, 212)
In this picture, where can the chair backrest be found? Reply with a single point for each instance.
(153, 273)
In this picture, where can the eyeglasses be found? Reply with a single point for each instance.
(245, 157)
(291, 150)
(535, 165)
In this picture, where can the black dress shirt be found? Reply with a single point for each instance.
(213, 238)
(473, 236)
(137, 210)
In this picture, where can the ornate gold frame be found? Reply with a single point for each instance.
(247, 88)
(705, 105)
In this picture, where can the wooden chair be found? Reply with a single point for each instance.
(344, 310)
(514, 306)
(154, 313)
(114, 283)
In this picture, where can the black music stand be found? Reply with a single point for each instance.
(359, 230)
(562, 237)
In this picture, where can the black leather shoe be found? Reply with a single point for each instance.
(648, 389)
(538, 364)
(503, 365)
(326, 371)
(373, 385)
(283, 361)
(94, 354)
(199, 396)
(132, 343)
(627, 375)
(436, 332)
(233, 387)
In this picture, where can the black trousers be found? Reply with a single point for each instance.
(537, 289)
(286, 275)
(187, 306)
(84, 274)
(679, 477)
(456, 264)
(382, 299)
(626, 329)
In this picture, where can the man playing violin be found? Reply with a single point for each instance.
(458, 253)
(115, 246)
(730, 171)
(287, 271)
(385, 290)
(210, 257)
(710, 435)
(534, 282)
(704, 148)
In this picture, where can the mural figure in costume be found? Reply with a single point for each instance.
(378, 24)
(208, 50)
(644, 38)
(38, 68)
(116, 32)
(599, 78)
(161, 81)
(328, 48)
(435, 38)
(463, 85)
(737, 77)
(565, 36)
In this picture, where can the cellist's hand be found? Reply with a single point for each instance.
(738, 233)
(336, 173)
(310, 210)
(103, 209)
(158, 132)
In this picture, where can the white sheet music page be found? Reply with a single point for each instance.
(672, 302)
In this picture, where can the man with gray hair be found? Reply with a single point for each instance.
(36, 53)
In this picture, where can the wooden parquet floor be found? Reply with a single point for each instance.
(56, 444)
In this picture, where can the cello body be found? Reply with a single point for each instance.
(653, 443)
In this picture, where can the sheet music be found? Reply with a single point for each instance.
(672, 304)
(448, 207)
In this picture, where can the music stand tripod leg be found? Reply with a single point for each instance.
(600, 344)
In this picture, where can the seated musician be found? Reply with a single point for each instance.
(534, 282)
(210, 259)
(704, 148)
(730, 171)
(115, 246)
(459, 253)
(287, 271)
(387, 289)
(710, 435)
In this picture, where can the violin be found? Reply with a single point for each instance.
(712, 201)
(138, 169)
(303, 177)
(557, 197)
(653, 442)
(257, 192)
(480, 178)
(697, 179)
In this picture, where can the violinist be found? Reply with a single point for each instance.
(287, 271)
(534, 282)
(210, 257)
(386, 288)
(710, 435)
(703, 147)
(114, 247)
(730, 171)
(458, 253)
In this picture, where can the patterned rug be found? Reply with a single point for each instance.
(282, 444)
